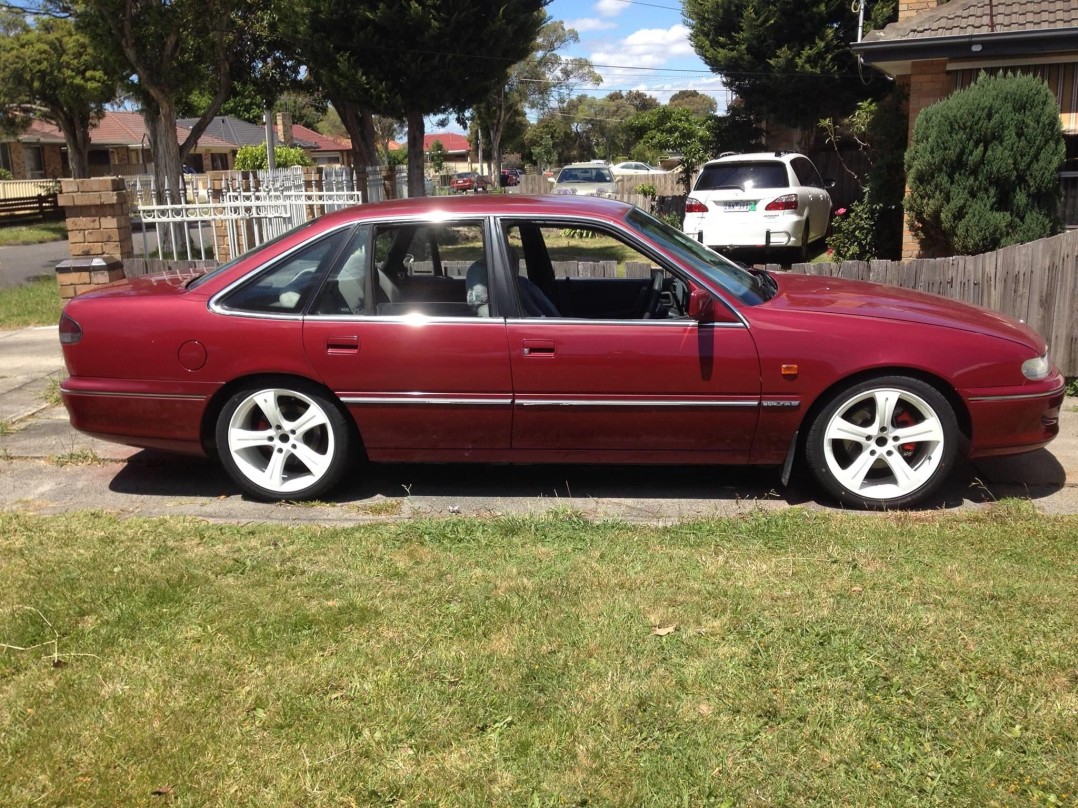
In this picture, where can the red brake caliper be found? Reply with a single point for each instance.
(902, 419)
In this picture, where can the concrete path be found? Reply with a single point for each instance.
(47, 467)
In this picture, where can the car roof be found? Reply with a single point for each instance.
(528, 205)
(756, 157)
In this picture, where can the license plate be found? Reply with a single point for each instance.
(739, 205)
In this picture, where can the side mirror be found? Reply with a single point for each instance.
(701, 306)
(551, 180)
(829, 182)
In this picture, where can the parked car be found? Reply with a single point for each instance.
(466, 181)
(440, 330)
(509, 177)
(585, 179)
(633, 168)
(768, 200)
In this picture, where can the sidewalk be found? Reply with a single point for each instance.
(31, 367)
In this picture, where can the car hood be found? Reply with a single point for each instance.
(859, 299)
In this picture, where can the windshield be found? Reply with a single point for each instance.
(201, 279)
(589, 174)
(748, 287)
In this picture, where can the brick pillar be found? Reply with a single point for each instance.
(928, 83)
(221, 245)
(313, 183)
(389, 182)
(98, 217)
(77, 275)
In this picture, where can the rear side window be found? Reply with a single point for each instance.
(807, 174)
(743, 176)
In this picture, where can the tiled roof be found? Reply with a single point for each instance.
(969, 17)
(452, 142)
(317, 141)
(230, 130)
(40, 132)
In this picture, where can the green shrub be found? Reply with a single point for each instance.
(253, 158)
(5, 174)
(982, 167)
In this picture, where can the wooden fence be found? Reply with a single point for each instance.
(29, 208)
(1035, 282)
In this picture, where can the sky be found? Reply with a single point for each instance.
(637, 45)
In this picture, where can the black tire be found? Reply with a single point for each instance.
(284, 439)
(857, 452)
(801, 253)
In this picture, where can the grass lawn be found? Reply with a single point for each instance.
(36, 302)
(787, 658)
(32, 233)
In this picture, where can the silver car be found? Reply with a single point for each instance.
(585, 179)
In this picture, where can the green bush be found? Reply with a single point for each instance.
(982, 167)
(5, 174)
(253, 158)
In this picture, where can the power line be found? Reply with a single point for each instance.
(649, 5)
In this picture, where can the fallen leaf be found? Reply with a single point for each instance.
(662, 631)
(163, 791)
(857, 590)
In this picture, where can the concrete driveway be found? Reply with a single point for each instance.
(47, 467)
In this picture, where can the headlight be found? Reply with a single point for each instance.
(1037, 368)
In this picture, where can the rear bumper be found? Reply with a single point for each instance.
(127, 413)
(1006, 423)
(745, 230)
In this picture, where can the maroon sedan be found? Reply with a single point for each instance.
(474, 329)
(466, 181)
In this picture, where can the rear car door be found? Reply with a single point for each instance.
(404, 334)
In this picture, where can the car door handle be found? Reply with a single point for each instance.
(338, 345)
(537, 347)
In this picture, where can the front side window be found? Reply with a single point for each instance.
(582, 271)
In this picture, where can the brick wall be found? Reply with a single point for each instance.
(907, 8)
(928, 83)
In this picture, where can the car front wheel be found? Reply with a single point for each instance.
(888, 442)
(284, 441)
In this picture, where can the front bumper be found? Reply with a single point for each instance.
(1013, 422)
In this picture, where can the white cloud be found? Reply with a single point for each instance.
(609, 8)
(585, 24)
(668, 42)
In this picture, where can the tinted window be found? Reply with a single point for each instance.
(806, 173)
(597, 174)
(745, 176)
(287, 285)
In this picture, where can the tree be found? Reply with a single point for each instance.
(412, 59)
(52, 72)
(674, 131)
(438, 155)
(174, 47)
(695, 101)
(982, 167)
(789, 61)
(638, 100)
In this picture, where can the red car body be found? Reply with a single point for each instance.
(154, 361)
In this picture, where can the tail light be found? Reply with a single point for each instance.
(695, 206)
(785, 202)
(70, 331)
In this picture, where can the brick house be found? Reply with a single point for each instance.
(934, 49)
(37, 153)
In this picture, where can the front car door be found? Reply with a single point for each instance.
(606, 363)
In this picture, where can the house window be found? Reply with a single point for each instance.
(5, 158)
(35, 162)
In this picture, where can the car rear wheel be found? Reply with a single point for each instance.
(283, 441)
(885, 443)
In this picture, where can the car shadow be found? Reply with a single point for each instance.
(486, 487)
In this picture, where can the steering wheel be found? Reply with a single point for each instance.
(655, 291)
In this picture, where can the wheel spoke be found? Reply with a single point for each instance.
(853, 476)
(267, 402)
(929, 430)
(273, 474)
(886, 401)
(906, 477)
(240, 439)
(311, 419)
(316, 463)
(841, 429)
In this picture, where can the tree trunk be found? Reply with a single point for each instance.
(77, 137)
(359, 123)
(416, 131)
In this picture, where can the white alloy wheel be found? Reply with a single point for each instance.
(885, 443)
(282, 442)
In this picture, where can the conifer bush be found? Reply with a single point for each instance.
(982, 167)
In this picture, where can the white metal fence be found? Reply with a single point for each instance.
(242, 209)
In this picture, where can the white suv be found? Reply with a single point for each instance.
(769, 200)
